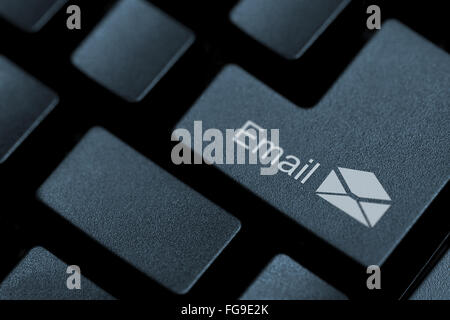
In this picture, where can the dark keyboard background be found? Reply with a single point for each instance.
(147, 125)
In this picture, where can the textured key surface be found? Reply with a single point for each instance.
(138, 211)
(29, 15)
(387, 114)
(288, 27)
(42, 276)
(132, 48)
(24, 102)
(285, 279)
(436, 286)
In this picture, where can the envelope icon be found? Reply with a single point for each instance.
(357, 193)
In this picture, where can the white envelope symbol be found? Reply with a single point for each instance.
(360, 195)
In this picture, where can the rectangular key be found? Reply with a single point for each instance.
(30, 15)
(360, 167)
(436, 285)
(288, 27)
(24, 103)
(285, 279)
(42, 276)
(132, 49)
(138, 211)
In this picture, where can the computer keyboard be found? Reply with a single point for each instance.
(88, 134)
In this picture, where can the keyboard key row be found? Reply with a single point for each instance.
(136, 43)
(42, 276)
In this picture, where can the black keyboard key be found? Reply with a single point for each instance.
(42, 276)
(30, 15)
(288, 27)
(132, 48)
(24, 102)
(138, 211)
(436, 286)
(375, 148)
(285, 279)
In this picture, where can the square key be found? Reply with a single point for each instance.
(138, 211)
(132, 49)
(29, 15)
(24, 102)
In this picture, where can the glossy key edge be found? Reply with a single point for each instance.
(41, 22)
(38, 120)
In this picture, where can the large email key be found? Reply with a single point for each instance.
(360, 167)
